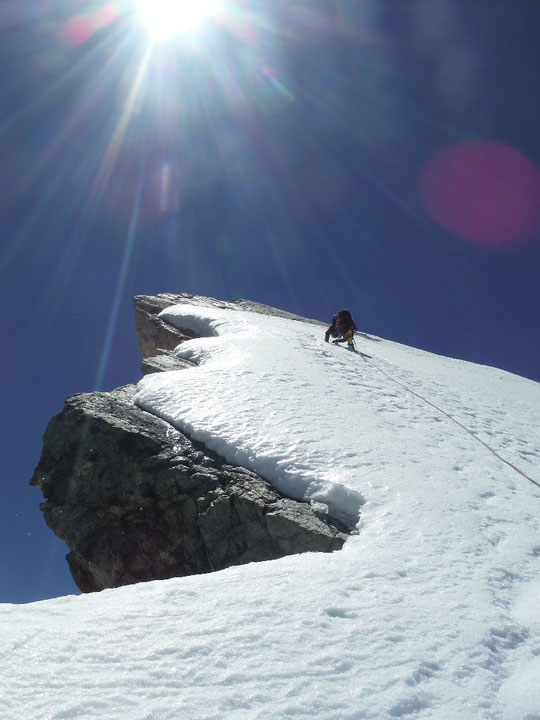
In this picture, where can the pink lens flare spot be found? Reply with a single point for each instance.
(485, 192)
(77, 30)
(80, 28)
(105, 15)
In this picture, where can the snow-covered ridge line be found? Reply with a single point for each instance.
(260, 379)
(252, 353)
(431, 611)
(488, 447)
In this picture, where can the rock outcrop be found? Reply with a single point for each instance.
(135, 499)
(158, 338)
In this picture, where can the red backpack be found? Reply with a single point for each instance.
(344, 321)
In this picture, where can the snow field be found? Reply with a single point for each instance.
(430, 611)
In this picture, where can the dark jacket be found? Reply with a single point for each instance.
(336, 331)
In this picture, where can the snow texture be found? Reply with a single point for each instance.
(431, 610)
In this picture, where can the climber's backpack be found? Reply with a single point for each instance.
(344, 321)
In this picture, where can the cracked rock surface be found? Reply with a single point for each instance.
(136, 500)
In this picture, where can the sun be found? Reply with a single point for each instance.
(164, 19)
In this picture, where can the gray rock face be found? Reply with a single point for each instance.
(154, 334)
(157, 337)
(137, 500)
(162, 362)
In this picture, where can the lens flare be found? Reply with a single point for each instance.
(165, 188)
(164, 19)
(80, 28)
(485, 192)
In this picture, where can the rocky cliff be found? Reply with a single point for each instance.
(135, 499)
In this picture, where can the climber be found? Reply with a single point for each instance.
(342, 327)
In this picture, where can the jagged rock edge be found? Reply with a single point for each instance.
(288, 516)
(147, 309)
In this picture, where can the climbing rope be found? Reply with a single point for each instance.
(453, 419)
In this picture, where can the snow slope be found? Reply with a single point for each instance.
(431, 610)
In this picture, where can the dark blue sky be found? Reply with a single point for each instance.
(376, 154)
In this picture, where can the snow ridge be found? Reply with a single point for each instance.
(265, 383)
(429, 611)
(463, 427)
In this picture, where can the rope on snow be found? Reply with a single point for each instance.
(464, 427)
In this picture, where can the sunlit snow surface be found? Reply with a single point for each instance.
(432, 610)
